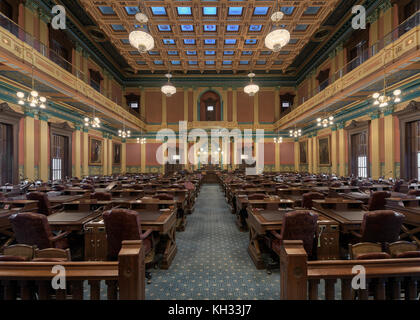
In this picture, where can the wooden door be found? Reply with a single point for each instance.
(359, 155)
(59, 157)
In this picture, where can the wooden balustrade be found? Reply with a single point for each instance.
(385, 278)
(124, 279)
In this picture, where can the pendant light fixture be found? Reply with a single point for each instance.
(123, 133)
(93, 122)
(251, 88)
(141, 38)
(382, 100)
(325, 122)
(33, 99)
(295, 133)
(168, 89)
(278, 37)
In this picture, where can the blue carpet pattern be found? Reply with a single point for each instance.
(212, 261)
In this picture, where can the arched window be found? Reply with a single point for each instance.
(210, 107)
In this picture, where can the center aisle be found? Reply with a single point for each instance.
(212, 261)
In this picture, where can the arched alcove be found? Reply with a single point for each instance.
(210, 107)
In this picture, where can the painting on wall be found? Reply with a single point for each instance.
(303, 148)
(95, 151)
(324, 151)
(117, 153)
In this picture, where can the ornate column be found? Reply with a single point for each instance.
(386, 10)
(85, 151)
(374, 142)
(195, 104)
(143, 157)
(143, 104)
(29, 146)
(373, 30)
(235, 105)
(124, 156)
(334, 150)
(110, 153)
(225, 104)
(342, 149)
(315, 164)
(297, 154)
(389, 143)
(186, 104)
(77, 153)
(277, 104)
(310, 154)
(256, 108)
(277, 154)
(43, 172)
(105, 156)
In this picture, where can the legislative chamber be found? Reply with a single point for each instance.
(209, 150)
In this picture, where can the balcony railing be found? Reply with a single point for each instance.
(53, 56)
(365, 55)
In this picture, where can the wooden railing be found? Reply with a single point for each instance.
(124, 279)
(385, 278)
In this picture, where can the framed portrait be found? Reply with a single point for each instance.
(324, 151)
(95, 151)
(303, 151)
(116, 153)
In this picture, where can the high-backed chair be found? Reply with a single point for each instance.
(44, 205)
(377, 201)
(34, 229)
(124, 224)
(381, 226)
(297, 225)
(101, 196)
(336, 184)
(308, 197)
(397, 185)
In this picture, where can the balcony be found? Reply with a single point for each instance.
(400, 41)
(23, 51)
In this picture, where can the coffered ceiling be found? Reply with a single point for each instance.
(215, 36)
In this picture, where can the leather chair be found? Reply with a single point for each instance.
(336, 184)
(377, 201)
(397, 185)
(308, 197)
(381, 226)
(44, 205)
(34, 229)
(87, 187)
(101, 196)
(297, 225)
(124, 224)
(404, 249)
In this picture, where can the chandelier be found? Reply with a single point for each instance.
(141, 39)
(94, 122)
(382, 100)
(33, 99)
(278, 139)
(325, 122)
(141, 140)
(295, 133)
(278, 37)
(123, 133)
(168, 89)
(251, 88)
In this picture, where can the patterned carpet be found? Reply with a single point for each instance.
(212, 261)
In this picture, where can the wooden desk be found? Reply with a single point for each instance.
(345, 189)
(377, 187)
(410, 208)
(361, 196)
(24, 205)
(75, 191)
(71, 220)
(348, 213)
(64, 198)
(262, 221)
